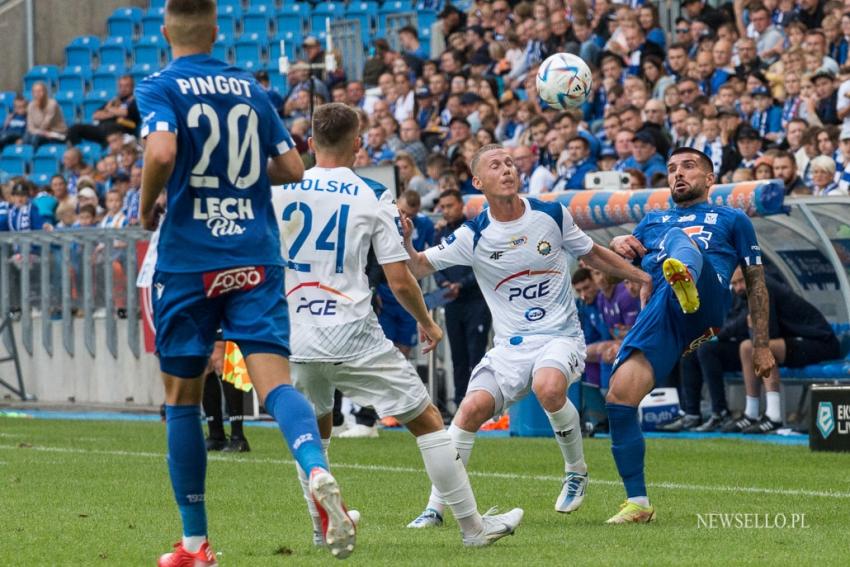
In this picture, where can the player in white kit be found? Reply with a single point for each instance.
(518, 251)
(328, 221)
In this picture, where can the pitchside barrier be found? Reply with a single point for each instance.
(83, 333)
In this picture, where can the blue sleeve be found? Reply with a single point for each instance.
(429, 238)
(638, 231)
(745, 242)
(276, 138)
(36, 220)
(155, 108)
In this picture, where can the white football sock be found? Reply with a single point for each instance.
(448, 476)
(463, 442)
(305, 489)
(193, 543)
(640, 500)
(567, 426)
(752, 409)
(773, 409)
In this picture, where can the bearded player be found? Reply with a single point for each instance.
(691, 251)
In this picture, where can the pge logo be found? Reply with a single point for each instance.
(825, 419)
(535, 313)
(225, 281)
(533, 291)
(318, 307)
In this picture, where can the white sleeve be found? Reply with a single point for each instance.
(541, 181)
(455, 250)
(575, 241)
(843, 101)
(387, 240)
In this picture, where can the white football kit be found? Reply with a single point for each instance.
(327, 222)
(521, 267)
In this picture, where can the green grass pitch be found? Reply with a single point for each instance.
(97, 493)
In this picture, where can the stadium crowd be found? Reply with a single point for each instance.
(762, 87)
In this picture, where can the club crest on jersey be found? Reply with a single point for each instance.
(235, 279)
(518, 241)
(221, 214)
(710, 218)
(544, 248)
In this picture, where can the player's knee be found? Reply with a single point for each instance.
(474, 410)
(551, 394)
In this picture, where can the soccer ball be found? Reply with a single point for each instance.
(563, 81)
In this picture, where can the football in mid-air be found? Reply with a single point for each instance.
(563, 81)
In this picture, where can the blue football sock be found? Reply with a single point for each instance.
(679, 245)
(297, 421)
(187, 465)
(628, 447)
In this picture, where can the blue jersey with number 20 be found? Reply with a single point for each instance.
(219, 198)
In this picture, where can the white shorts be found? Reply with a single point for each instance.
(507, 369)
(384, 380)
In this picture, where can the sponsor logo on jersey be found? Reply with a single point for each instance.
(665, 218)
(322, 307)
(221, 214)
(446, 241)
(497, 255)
(235, 279)
(533, 291)
(518, 241)
(698, 232)
(527, 272)
(687, 218)
(710, 218)
(535, 313)
(544, 248)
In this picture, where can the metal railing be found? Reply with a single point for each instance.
(348, 40)
(61, 275)
(394, 23)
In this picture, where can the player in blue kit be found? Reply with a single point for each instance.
(215, 143)
(691, 251)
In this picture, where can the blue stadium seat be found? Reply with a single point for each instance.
(74, 79)
(325, 10)
(291, 19)
(81, 50)
(249, 49)
(257, 20)
(15, 159)
(229, 4)
(3, 113)
(91, 151)
(250, 65)
(291, 43)
(276, 80)
(93, 101)
(227, 25)
(106, 77)
(270, 5)
(157, 4)
(70, 102)
(141, 70)
(40, 179)
(222, 50)
(149, 49)
(366, 12)
(123, 22)
(46, 73)
(151, 24)
(47, 160)
(391, 8)
(7, 99)
(114, 51)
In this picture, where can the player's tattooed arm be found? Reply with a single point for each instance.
(759, 306)
(418, 263)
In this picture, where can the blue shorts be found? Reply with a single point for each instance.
(663, 332)
(247, 304)
(399, 326)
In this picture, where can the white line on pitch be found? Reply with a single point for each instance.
(480, 474)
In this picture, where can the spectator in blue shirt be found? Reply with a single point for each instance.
(408, 37)
(580, 163)
(376, 146)
(645, 157)
(15, 125)
(767, 118)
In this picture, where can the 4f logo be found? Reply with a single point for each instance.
(825, 419)
(496, 255)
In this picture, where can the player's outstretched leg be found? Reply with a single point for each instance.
(447, 472)
(550, 387)
(187, 467)
(682, 268)
(630, 383)
(297, 421)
